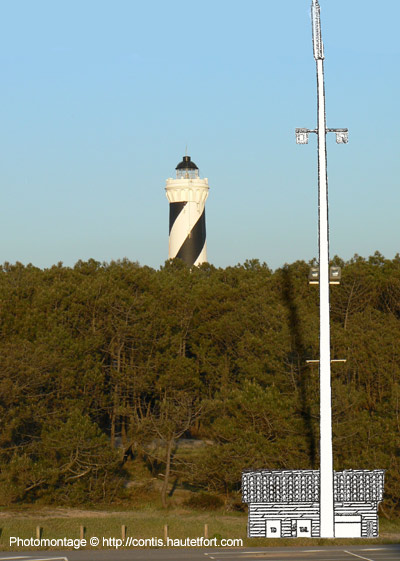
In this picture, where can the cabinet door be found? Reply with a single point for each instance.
(348, 530)
(303, 528)
(273, 529)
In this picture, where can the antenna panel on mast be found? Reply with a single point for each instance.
(316, 27)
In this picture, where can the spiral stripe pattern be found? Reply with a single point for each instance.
(187, 232)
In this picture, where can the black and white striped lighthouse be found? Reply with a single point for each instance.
(187, 196)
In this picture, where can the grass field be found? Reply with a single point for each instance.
(149, 523)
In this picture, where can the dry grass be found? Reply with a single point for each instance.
(149, 523)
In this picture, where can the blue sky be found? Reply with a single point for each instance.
(99, 99)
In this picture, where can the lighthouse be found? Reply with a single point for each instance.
(187, 195)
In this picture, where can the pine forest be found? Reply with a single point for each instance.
(116, 375)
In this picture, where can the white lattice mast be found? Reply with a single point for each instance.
(187, 196)
(327, 517)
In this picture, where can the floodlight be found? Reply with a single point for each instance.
(335, 274)
(342, 136)
(313, 275)
(302, 136)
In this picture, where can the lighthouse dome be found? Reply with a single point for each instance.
(187, 169)
(186, 163)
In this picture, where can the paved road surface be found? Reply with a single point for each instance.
(340, 553)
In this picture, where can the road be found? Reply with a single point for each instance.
(339, 553)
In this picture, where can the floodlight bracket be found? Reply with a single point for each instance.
(316, 361)
(342, 135)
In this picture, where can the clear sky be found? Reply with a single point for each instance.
(100, 97)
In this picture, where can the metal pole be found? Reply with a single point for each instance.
(326, 457)
(327, 514)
